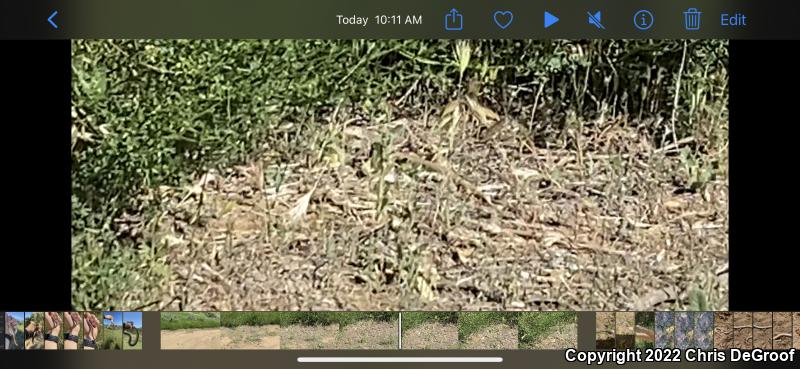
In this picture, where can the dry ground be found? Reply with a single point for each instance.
(625, 330)
(605, 326)
(368, 335)
(300, 337)
(625, 323)
(362, 335)
(723, 330)
(796, 330)
(431, 336)
(762, 330)
(493, 337)
(743, 331)
(458, 211)
(252, 338)
(191, 339)
(782, 327)
(563, 337)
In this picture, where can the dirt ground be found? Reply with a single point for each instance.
(796, 329)
(782, 331)
(605, 328)
(368, 335)
(723, 330)
(431, 336)
(625, 330)
(252, 338)
(449, 211)
(300, 337)
(563, 337)
(762, 330)
(743, 331)
(625, 323)
(493, 337)
(191, 339)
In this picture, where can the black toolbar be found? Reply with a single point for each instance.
(765, 19)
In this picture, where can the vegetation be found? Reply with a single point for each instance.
(189, 320)
(535, 325)
(471, 322)
(252, 318)
(412, 319)
(110, 338)
(235, 319)
(646, 319)
(150, 115)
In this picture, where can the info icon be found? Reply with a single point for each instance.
(643, 20)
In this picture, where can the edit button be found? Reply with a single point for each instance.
(733, 20)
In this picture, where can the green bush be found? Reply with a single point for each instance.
(189, 320)
(155, 112)
(251, 318)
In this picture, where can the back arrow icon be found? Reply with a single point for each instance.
(50, 19)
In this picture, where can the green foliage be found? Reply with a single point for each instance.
(110, 338)
(37, 317)
(308, 318)
(148, 113)
(646, 319)
(415, 318)
(535, 325)
(189, 320)
(251, 318)
(471, 322)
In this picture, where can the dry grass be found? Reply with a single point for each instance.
(562, 337)
(368, 335)
(431, 336)
(493, 337)
(452, 208)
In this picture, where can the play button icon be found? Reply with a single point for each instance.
(549, 19)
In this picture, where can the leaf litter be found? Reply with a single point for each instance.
(431, 212)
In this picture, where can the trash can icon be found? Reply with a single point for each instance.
(692, 19)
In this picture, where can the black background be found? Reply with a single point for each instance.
(36, 246)
(764, 111)
(35, 254)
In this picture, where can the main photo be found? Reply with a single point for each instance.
(399, 174)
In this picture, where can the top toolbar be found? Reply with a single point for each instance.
(765, 19)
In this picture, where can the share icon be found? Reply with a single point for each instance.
(595, 19)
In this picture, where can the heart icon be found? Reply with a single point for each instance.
(503, 18)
